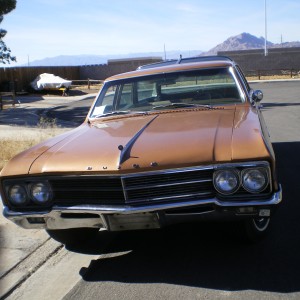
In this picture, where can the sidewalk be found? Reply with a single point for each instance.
(22, 250)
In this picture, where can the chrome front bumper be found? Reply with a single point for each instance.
(127, 217)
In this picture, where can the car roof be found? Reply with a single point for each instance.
(186, 60)
(183, 64)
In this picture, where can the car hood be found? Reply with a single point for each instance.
(168, 139)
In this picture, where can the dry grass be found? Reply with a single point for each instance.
(16, 140)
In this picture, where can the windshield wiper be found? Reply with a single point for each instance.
(113, 113)
(181, 105)
(120, 112)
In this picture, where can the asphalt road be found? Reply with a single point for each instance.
(74, 112)
(207, 261)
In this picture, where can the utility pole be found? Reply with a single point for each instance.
(266, 50)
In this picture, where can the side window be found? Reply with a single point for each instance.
(146, 90)
(109, 96)
(125, 96)
(105, 102)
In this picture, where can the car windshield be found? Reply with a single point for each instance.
(206, 88)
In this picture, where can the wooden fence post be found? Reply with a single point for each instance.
(14, 98)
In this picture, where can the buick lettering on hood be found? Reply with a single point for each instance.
(174, 142)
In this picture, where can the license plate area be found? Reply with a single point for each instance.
(132, 221)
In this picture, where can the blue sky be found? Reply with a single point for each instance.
(48, 28)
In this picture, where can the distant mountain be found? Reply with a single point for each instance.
(82, 60)
(243, 41)
(69, 60)
(246, 41)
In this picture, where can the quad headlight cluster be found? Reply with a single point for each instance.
(253, 180)
(22, 194)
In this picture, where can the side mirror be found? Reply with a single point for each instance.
(257, 96)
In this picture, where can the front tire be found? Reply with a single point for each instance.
(257, 228)
(73, 236)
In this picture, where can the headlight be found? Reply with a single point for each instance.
(40, 192)
(226, 181)
(17, 195)
(255, 180)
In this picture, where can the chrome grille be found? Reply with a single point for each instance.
(165, 186)
(181, 185)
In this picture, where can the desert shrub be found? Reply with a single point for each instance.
(46, 122)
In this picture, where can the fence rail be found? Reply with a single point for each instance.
(291, 73)
(86, 82)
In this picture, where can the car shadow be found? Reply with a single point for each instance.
(210, 256)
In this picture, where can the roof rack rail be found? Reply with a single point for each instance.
(184, 61)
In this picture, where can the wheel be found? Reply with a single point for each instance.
(73, 235)
(257, 228)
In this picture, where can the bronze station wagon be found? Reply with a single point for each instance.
(172, 142)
